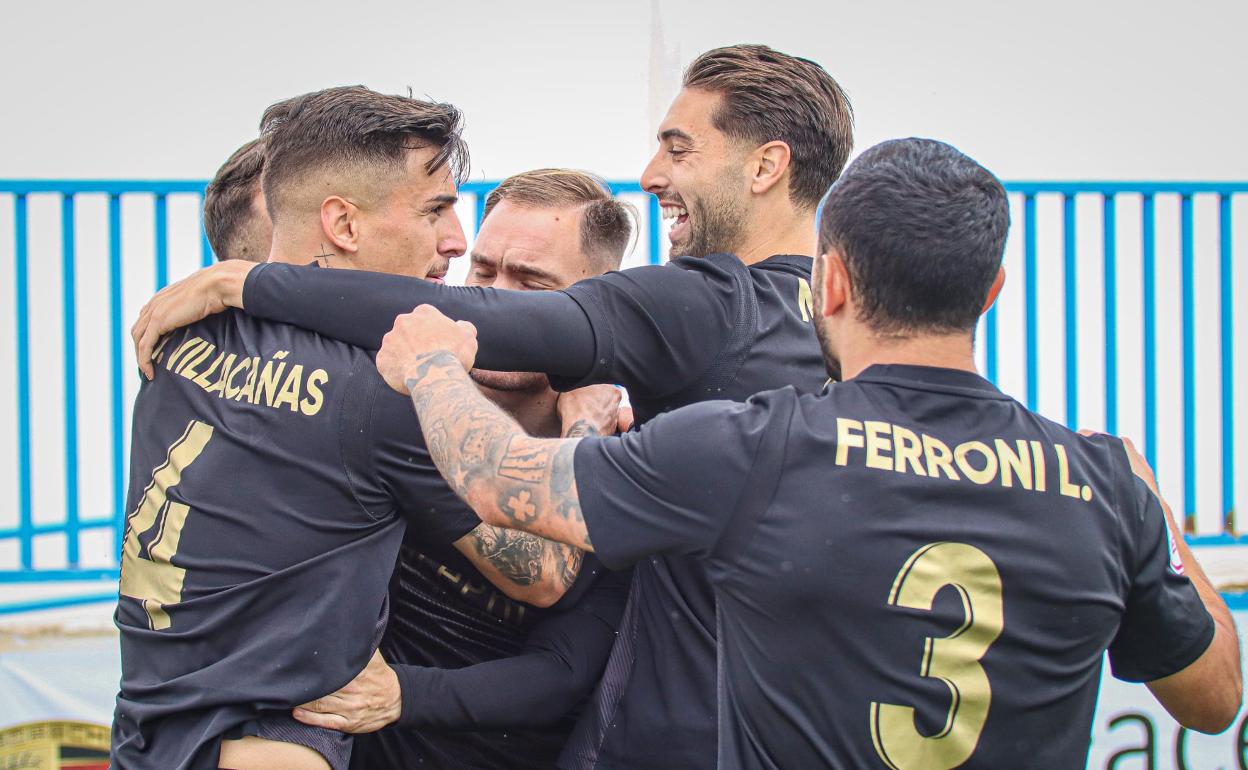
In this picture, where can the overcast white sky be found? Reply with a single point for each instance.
(1052, 89)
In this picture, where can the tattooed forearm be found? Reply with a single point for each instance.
(516, 555)
(509, 478)
(580, 429)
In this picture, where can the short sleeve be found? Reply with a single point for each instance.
(655, 324)
(690, 481)
(1165, 626)
(407, 475)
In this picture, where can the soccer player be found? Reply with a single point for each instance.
(911, 570)
(273, 471)
(746, 151)
(476, 679)
(235, 219)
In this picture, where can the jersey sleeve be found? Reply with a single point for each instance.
(656, 328)
(690, 481)
(406, 474)
(560, 663)
(525, 331)
(1165, 626)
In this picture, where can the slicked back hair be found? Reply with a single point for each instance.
(229, 217)
(771, 96)
(921, 228)
(351, 127)
(606, 222)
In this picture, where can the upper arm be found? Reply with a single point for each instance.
(524, 566)
(678, 484)
(653, 319)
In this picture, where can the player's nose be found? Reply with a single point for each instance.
(451, 240)
(654, 177)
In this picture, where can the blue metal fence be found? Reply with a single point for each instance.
(1074, 321)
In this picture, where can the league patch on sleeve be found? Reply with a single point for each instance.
(1176, 561)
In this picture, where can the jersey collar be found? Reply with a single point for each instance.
(931, 378)
(803, 263)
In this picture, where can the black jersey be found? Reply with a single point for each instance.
(690, 330)
(272, 472)
(912, 570)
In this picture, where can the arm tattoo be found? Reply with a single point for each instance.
(510, 479)
(516, 555)
(580, 429)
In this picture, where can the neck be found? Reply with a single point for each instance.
(296, 247)
(780, 229)
(536, 412)
(947, 351)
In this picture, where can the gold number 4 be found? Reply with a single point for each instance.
(953, 659)
(152, 578)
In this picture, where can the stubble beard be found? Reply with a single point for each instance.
(715, 225)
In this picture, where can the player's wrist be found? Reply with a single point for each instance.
(229, 281)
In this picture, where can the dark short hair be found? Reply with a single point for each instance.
(922, 229)
(606, 222)
(351, 126)
(771, 96)
(229, 216)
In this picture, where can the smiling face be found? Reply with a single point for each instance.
(407, 223)
(526, 248)
(699, 177)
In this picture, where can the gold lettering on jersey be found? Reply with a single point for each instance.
(1017, 463)
(805, 299)
(271, 381)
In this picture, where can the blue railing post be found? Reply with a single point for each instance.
(116, 338)
(1070, 275)
(1226, 310)
(70, 333)
(205, 248)
(1030, 301)
(162, 241)
(25, 512)
(1148, 248)
(655, 217)
(1110, 255)
(1189, 364)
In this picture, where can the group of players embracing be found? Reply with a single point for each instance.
(381, 522)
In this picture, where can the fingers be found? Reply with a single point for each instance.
(318, 719)
(624, 420)
(468, 327)
(136, 335)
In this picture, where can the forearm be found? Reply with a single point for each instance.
(525, 567)
(509, 478)
(518, 331)
(528, 690)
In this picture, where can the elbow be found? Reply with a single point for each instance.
(542, 594)
(1217, 711)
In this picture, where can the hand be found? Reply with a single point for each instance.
(1138, 464)
(626, 420)
(365, 704)
(591, 411)
(415, 334)
(195, 297)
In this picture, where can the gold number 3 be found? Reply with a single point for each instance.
(953, 660)
(152, 578)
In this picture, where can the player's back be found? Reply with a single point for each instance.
(931, 580)
(268, 467)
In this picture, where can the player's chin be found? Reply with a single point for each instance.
(510, 381)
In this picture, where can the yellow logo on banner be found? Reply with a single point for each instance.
(54, 746)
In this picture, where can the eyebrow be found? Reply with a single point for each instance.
(449, 200)
(674, 133)
(482, 259)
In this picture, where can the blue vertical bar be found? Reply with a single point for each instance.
(26, 525)
(1228, 364)
(162, 241)
(1189, 365)
(1070, 274)
(70, 333)
(479, 203)
(655, 217)
(1032, 304)
(1110, 256)
(1148, 244)
(205, 248)
(116, 364)
(990, 343)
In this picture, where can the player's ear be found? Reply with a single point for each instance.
(767, 166)
(835, 286)
(340, 223)
(994, 290)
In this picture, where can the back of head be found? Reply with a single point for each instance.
(771, 96)
(235, 227)
(921, 228)
(606, 222)
(356, 139)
